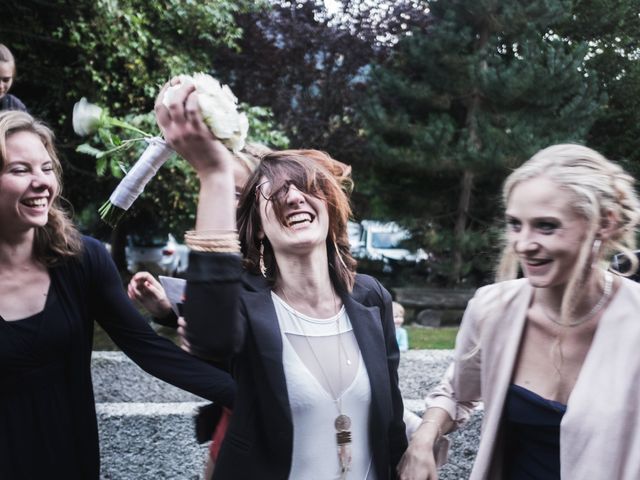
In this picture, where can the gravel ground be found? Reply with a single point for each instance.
(146, 425)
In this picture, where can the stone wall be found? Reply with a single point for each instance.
(146, 425)
(433, 307)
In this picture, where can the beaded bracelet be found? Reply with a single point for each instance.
(223, 241)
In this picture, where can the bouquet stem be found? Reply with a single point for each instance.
(111, 214)
(132, 185)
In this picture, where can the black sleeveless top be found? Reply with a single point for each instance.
(532, 435)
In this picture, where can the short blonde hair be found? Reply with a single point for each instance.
(58, 238)
(598, 186)
(7, 57)
(397, 308)
(251, 155)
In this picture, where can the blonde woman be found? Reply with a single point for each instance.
(53, 284)
(553, 355)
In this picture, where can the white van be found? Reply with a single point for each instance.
(384, 241)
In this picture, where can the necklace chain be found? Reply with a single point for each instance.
(313, 352)
(606, 294)
(342, 422)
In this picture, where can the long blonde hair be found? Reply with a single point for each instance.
(59, 238)
(598, 186)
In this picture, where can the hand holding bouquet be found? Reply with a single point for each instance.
(218, 107)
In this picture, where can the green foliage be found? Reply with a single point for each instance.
(116, 53)
(458, 104)
(169, 200)
(472, 86)
(263, 128)
(128, 48)
(612, 31)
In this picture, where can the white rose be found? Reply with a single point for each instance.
(219, 108)
(171, 91)
(87, 117)
(236, 142)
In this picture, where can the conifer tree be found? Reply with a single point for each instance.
(475, 93)
(612, 31)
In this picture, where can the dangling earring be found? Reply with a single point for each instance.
(595, 250)
(263, 268)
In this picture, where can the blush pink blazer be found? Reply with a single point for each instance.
(600, 431)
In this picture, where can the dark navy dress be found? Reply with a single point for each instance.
(532, 436)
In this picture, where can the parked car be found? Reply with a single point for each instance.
(385, 241)
(158, 253)
(354, 230)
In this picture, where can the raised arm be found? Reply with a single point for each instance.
(157, 355)
(213, 276)
(185, 131)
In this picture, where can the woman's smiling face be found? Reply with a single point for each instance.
(545, 231)
(28, 183)
(306, 218)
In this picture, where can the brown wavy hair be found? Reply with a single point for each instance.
(317, 174)
(59, 238)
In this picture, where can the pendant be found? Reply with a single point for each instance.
(343, 439)
(342, 423)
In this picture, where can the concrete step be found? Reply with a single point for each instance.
(146, 425)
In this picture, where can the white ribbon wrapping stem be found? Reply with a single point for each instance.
(132, 185)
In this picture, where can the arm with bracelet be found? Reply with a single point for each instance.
(447, 407)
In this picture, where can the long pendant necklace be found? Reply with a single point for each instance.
(606, 293)
(342, 423)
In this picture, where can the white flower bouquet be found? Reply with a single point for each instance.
(219, 110)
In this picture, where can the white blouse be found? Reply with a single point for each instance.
(325, 377)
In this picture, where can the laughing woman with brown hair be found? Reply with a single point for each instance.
(311, 343)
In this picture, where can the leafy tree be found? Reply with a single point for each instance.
(461, 101)
(169, 200)
(311, 69)
(612, 32)
(117, 53)
(292, 60)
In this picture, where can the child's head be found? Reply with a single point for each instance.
(247, 161)
(398, 314)
(7, 70)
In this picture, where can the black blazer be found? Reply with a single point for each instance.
(244, 327)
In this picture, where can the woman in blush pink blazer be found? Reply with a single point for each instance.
(553, 355)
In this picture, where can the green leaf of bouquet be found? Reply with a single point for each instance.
(116, 172)
(89, 150)
(105, 136)
(117, 141)
(101, 166)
